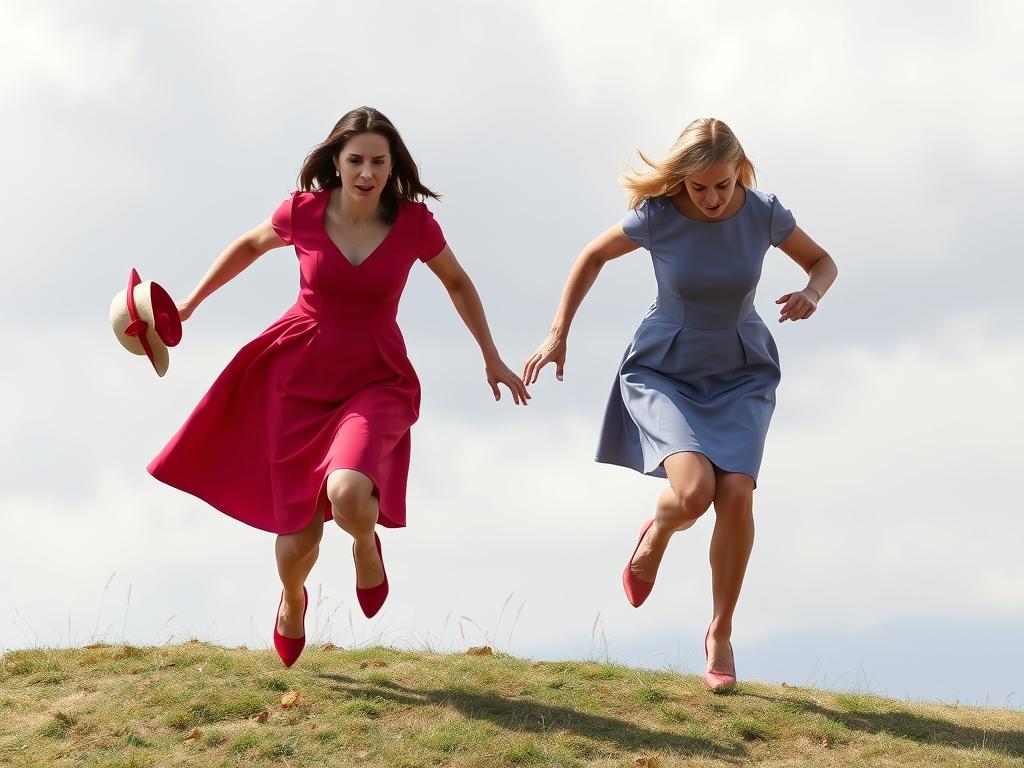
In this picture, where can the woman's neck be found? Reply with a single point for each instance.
(352, 210)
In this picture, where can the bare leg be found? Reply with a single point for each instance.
(296, 553)
(689, 495)
(731, 543)
(355, 508)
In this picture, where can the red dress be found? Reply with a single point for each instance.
(328, 386)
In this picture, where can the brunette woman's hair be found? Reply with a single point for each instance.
(702, 143)
(318, 169)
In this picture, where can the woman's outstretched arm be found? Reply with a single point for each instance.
(467, 303)
(231, 262)
(609, 245)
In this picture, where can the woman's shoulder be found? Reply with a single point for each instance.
(761, 199)
(659, 203)
(415, 213)
(307, 199)
(650, 208)
(299, 214)
(301, 201)
(413, 207)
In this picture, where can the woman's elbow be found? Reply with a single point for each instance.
(832, 265)
(458, 284)
(592, 259)
(824, 262)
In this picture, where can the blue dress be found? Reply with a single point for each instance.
(701, 371)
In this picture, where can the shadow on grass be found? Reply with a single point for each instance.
(923, 730)
(523, 715)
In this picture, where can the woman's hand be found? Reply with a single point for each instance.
(499, 373)
(185, 309)
(551, 351)
(799, 305)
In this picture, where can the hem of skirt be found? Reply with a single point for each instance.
(659, 469)
(713, 463)
(185, 488)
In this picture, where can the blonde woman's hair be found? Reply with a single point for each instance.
(702, 143)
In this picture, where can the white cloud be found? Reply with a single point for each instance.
(41, 50)
(899, 495)
(887, 83)
(878, 149)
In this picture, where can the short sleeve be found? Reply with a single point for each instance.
(282, 219)
(782, 222)
(637, 224)
(432, 240)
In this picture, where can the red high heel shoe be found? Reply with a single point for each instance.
(290, 648)
(637, 590)
(718, 682)
(372, 598)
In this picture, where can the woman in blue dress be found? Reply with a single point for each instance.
(696, 388)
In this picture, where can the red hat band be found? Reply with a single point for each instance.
(137, 326)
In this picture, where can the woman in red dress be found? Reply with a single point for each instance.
(311, 420)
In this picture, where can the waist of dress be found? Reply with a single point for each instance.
(353, 314)
(706, 315)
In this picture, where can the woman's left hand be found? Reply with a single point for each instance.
(499, 373)
(799, 305)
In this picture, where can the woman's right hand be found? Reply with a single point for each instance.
(551, 351)
(185, 310)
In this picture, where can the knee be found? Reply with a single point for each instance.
(695, 500)
(691, 501)
(351, 500)
(734, 496)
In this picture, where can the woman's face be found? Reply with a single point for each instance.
(712, 189)
(365, 163)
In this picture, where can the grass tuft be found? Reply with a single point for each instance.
(133, 739)
(647, 695)
(371, 708)
(275, 684)
(855, 703)
(59, 727)
(214, 710)
(751, 729)
(524, 754)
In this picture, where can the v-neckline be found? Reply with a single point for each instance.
(323, 226)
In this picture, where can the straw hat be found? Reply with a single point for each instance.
(145, 320)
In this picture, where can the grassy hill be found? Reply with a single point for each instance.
(202, 705)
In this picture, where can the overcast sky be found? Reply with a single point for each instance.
(888, 510)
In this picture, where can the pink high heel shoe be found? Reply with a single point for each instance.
(372, 598)
(290, 648)
(637, 590)
(718, 682)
